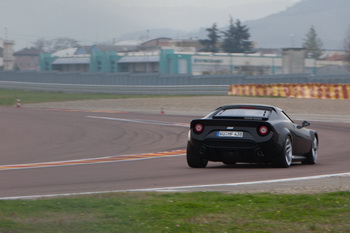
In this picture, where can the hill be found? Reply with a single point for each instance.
(288, 28)
(97, 21)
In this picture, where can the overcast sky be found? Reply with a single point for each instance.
(93, 21)
(241, 9)
(197, 3)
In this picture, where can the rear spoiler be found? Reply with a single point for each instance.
(254, 118)
(260, 107)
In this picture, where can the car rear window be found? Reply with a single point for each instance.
(243, 113)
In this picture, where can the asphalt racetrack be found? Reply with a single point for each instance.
(53, 152)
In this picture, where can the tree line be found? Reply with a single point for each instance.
(54, 45)
(235, 39)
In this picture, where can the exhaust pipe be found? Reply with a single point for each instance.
(203, 151)
(259, 153)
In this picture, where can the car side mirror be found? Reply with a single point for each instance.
(304, 124)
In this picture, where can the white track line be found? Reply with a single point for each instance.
(178, 188)
(163, 123)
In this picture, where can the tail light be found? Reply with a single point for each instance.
(198, 128)
(263, 130)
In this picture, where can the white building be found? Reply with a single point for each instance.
(7, 60)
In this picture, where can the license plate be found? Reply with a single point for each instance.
(234, 134)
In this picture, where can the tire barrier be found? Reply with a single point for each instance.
(306, 90)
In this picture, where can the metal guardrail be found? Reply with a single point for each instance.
(120, 89)
(148, 84)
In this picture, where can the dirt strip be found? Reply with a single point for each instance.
(199, 105)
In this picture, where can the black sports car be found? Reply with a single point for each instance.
(250, 133)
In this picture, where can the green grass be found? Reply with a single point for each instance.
(9, 97)
(179, 212)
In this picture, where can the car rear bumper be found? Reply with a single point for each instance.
(231, 151)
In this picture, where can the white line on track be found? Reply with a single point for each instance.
(179, 188)
(324, 118)
(164, 123)
(321, 118)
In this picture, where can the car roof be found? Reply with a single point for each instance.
(256, 106)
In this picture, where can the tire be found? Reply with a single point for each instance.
(195, 160)
(311, 157)
(284, 159)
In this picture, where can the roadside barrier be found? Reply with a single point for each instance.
(301, 90)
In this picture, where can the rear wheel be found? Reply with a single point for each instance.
(284, 159)
(311, 157)
(194, 159)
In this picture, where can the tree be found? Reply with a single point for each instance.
(210, 44)
(347, 46)
(55, 44)
(42, 45)
(347, 50)
(64, 43)
(312, 44)
(236, 38)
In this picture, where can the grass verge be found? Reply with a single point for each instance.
(179, 212)
(9, 97)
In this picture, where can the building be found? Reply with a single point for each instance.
(27, 59)
(164, 56)
(1, 54)
(71, 60)
(7, 60)
(293, 60)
